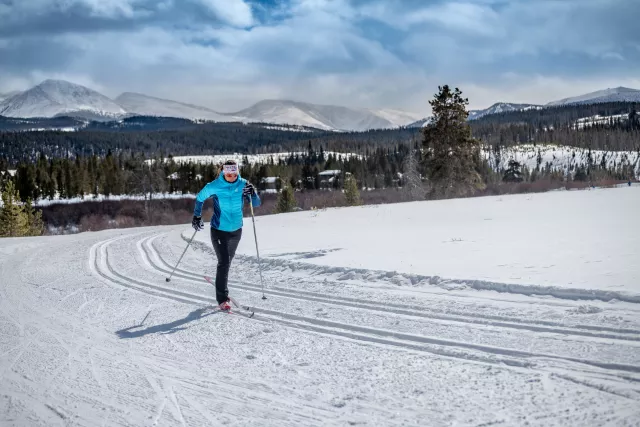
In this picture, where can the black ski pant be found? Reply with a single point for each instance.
(225, 244)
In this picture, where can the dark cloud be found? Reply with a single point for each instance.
(80, 16)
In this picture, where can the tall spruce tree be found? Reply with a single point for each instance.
(451, 154)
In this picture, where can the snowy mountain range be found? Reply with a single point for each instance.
(54, 98)
(501, 107)
(618, 94)
(328, 117)
(140, 104)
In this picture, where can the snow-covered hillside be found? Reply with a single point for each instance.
(58, 97)
(618, 94)
(252, 158)
(149, 106)
(7, 95)
(501, 107)
(519, 310)
(561, 157)
(599, 120)
(558, 156)
(328, 117)
(396, 117)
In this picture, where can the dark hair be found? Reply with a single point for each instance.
(230, 162)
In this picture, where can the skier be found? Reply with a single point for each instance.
(228, 192)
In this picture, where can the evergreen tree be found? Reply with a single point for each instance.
(286, 201)
(452, 155)
(13, 221)
(351, 192)
(35, 225)
(513, 172)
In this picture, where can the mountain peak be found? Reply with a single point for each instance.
(55, 97)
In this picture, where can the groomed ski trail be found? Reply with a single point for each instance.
(483, 353)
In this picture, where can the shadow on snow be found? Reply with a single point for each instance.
(165, 328)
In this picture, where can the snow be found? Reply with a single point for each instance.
(252, 158)
(151, 106)
(288, 128)
(327, 117)
(397, 117)
(562, 157)
(374, 315)
(598, 119)
(114, 197)
(618, 94)
(538, 240)
(330, 172)
(57, 97)
(500, 107)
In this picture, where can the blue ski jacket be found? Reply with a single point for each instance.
(227, 202)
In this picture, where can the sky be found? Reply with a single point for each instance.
(229, 54)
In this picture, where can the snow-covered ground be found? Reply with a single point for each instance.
(381, 316)
(113, 197)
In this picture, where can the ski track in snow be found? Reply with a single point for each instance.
(97, 337)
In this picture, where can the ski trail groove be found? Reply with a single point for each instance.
(146, 246)
(379, 335)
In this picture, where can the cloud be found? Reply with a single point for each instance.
(227, 54)
(235, 12)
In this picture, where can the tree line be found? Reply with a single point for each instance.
(549, 125)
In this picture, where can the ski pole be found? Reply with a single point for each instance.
(255, 236)
(168, 279)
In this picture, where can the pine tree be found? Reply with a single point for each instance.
(452, 155)
(286, 201)
(35, 225)
(351, 192)
(13, 221)
(513, 172)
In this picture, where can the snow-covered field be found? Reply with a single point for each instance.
(382, 316)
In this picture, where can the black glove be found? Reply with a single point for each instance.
(248, 190)
(197, 223)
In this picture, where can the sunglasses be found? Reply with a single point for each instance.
(230, 169)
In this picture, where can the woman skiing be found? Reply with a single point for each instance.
(228, 192)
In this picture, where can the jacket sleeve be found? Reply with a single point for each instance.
(255, 199)
(206, 192)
